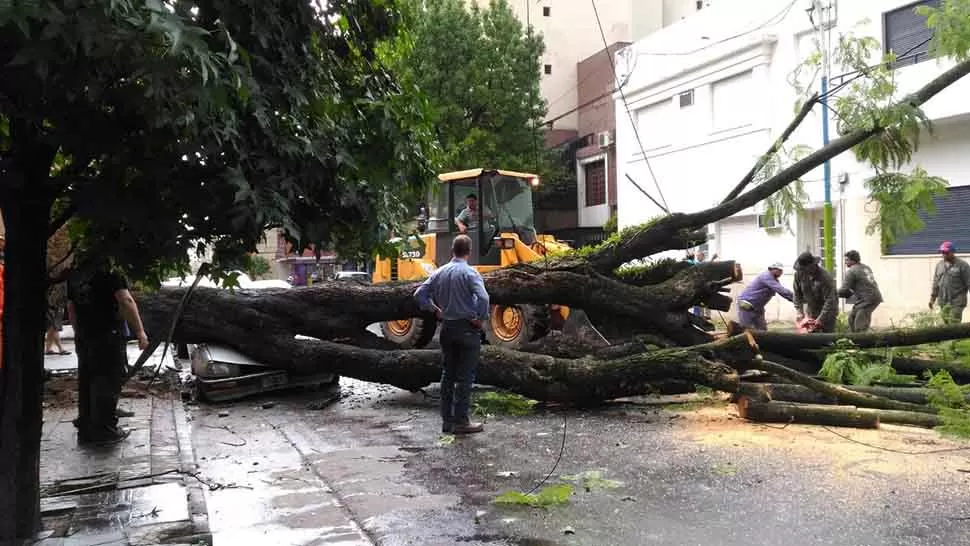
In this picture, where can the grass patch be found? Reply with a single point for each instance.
(591, 480)
(503, 403)
(551, 495)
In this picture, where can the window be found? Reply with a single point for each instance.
(595, 177)
(905, 33)
(733, 100)
(821, 240)
(949, 223)
(700, 4)
(548, 69)
(686, 98)
(546, 11)
(651, 121)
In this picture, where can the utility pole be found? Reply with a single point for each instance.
(826, 14)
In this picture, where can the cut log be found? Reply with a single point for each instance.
(785, 342)
(808, 414)
(842, 394)
(786, 392)
(911, 418)
(810, 361)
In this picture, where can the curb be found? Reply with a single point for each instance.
(198, 513)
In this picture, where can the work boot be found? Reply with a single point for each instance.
(467, 427)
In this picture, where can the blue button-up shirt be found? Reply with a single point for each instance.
(457, 289)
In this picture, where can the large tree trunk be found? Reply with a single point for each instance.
(21, 379)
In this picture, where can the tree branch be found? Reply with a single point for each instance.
(775, 147)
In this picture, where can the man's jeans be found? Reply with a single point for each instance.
(461, 344)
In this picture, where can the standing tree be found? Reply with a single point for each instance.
(163, 127)
(479, 69)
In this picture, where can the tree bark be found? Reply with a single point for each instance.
(336, 309)
(911, 418)
(21, 378)
(808, 414)
(840, 393)
(788, 392)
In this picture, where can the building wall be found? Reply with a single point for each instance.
(571, 35)
(598, 115)
(742, 99)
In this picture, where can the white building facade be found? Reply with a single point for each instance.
(709, 94)
(571, 34)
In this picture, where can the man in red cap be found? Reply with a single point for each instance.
(951, 281)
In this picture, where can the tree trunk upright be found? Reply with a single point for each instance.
(26, 216)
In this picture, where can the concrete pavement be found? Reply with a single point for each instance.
(373, 469)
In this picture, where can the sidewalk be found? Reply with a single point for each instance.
(140, 491)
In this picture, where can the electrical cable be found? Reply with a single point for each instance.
(626, 106)
(562, 450)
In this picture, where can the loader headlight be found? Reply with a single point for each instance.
(505, 243)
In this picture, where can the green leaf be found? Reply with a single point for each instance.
(551, 495)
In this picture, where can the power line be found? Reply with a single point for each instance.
(626, 106)
(579, 107)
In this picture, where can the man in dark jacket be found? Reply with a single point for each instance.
(860, 286)
(951, 281)
(814, 288)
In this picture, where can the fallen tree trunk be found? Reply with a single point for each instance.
(809, 414)
(340, 309)
(252, 331)
(788, 392)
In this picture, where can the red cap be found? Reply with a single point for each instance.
(947, 246)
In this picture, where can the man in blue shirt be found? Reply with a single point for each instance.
(752, 302)
(456, 293)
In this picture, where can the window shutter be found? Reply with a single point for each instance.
(906, 33)
(949, 223)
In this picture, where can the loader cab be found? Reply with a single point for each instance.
(504, 205)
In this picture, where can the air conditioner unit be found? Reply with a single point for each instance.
(768, 222)
(604, 139)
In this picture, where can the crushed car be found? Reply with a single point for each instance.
(221, 373)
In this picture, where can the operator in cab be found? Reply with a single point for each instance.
(467, 219)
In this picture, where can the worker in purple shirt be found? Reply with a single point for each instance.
(456, 293)
(752, 302)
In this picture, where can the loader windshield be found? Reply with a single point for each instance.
(507, 203)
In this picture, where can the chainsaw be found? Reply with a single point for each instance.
(807, 325)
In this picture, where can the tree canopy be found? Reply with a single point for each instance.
(167, 125)
(479, 69)
(159, 127)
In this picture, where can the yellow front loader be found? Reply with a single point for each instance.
(505, 236)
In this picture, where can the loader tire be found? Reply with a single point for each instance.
(512, 326)
(413, 333)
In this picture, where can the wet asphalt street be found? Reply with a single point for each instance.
(372, 469)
